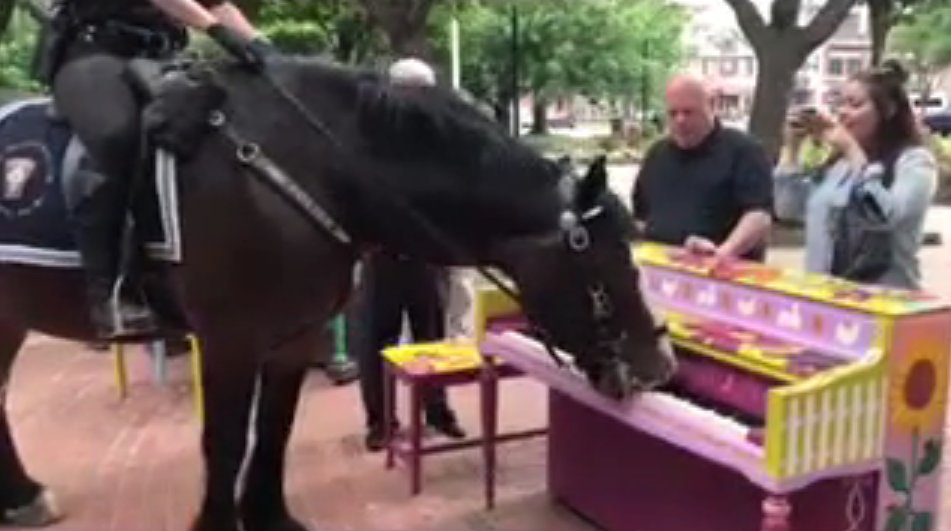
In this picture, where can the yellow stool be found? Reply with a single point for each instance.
(198, 394)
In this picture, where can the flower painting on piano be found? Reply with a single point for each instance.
(915, 402)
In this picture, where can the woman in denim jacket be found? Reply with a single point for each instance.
(876, 144)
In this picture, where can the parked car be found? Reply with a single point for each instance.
(939, 123)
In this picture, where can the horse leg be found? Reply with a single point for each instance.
(263, 503)
(228, 373)
(23, 501)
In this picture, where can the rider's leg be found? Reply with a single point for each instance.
(91, 93)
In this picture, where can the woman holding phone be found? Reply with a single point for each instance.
(876, 147)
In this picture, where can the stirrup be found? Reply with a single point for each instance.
(118, 330)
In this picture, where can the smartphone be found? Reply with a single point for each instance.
(811, 119)
(803, 117)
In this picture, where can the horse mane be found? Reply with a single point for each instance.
(454, 162)
(435, 125)
(417, 125)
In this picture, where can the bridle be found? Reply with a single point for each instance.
(574, 233)
(578, 240)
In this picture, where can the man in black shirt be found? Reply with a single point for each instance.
(705, 186)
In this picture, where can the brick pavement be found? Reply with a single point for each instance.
(134, 466)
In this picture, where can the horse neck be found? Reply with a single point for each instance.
(481, 217)
(476, 201)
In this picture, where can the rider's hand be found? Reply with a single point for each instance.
(251, 53)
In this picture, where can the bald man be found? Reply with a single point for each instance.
(704, 186)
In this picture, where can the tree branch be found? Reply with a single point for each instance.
(785, 14)
(750, 21)
(826, 21)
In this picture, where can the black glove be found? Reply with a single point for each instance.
(262, 48)
(250, 53)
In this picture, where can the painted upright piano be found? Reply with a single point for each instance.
(802, 402)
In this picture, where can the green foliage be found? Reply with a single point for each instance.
(585, 149)
(941, 147)
(16, 55)
(925, 36)
(339, 28)
(814, 154)
(598, 48)
(483, 35)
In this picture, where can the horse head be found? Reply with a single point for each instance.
(581, 285)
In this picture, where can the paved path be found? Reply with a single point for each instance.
(134, 466)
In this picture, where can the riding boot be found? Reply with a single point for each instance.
(99, 220)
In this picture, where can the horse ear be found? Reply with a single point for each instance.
(564, 162)
(595, 182)
(562, 166)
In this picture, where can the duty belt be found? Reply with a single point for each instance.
(127, 39)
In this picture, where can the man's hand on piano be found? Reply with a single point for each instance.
(702, 246)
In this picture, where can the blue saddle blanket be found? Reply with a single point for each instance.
(39, 154)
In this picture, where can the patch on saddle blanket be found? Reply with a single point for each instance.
(39, 156)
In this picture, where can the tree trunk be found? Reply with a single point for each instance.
(882, 19)
(354, 40)
(781, 49)
(502, 105)
(404, 23)
(774, 83)
(408, 40)
(6, 15)
(540, 117)
(502, 111)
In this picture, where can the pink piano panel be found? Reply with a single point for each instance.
(626, 480)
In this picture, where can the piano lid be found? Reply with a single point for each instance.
(820, 288)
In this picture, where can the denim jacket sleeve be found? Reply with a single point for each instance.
(913, 188)
(792, 186)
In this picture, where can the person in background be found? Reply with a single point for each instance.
(389, 288)
(877, 148)
(333, 355)
(705, 186)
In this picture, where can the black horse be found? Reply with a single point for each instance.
(410, 170)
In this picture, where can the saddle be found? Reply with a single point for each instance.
(178, 100)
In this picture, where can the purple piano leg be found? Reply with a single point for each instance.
(490, 388)
(389, 414)
(416, 437)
